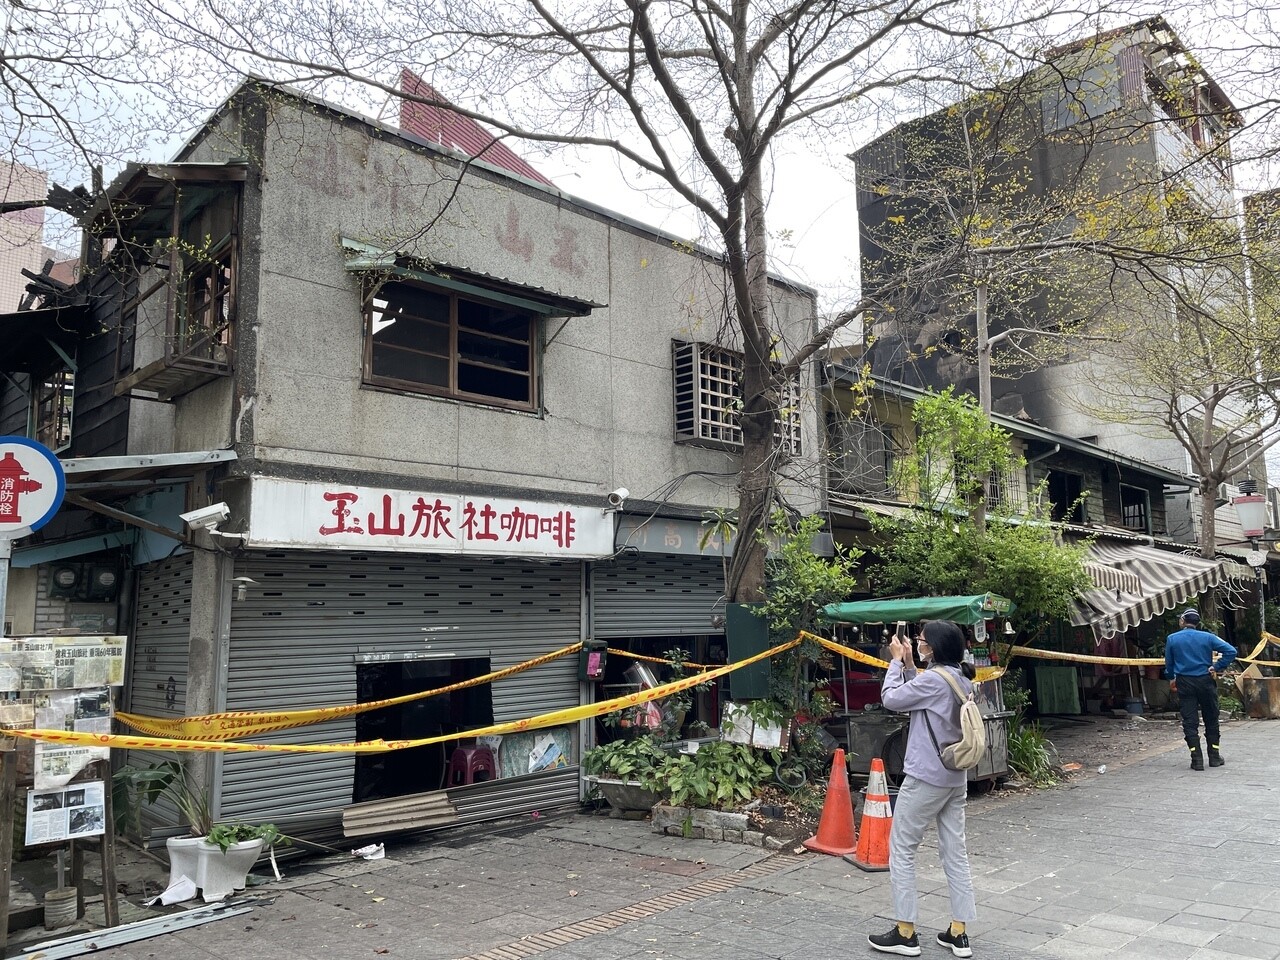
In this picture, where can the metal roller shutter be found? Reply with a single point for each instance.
(296, 635)
(161, 638)
(160, 658)
(655, 596)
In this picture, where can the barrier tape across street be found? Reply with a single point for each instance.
(218, 732)
(554, 718)
(240, 724)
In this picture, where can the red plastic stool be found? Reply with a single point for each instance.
(470, 765)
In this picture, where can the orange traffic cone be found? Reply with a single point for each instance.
(835, 829)
(872, 854)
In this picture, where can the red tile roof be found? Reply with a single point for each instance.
(441, 125)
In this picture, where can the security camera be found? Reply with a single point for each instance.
(206, 518)
(617, 497)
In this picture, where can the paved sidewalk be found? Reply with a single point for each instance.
(1150, 860)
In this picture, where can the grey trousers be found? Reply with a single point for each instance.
(918, 805)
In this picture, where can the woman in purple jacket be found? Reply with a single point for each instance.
(929, 792)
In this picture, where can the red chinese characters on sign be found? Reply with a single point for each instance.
(480, 521)
(14, 482)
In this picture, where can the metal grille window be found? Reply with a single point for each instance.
(708, 398)
(997, 489)
(430, 341)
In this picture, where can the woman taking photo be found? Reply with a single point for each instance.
(930, 792)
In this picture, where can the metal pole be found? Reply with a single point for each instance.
(984, 351)
(6, 551)
(1262, 600)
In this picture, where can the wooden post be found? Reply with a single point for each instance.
(110, 898)
(8, 797)
(77, 875)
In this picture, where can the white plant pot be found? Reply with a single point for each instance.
(217, 874)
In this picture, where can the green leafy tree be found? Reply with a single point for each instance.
(937, 547)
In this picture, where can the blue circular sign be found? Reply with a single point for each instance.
(32, 486)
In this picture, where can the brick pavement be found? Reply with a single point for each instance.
(1150, 860)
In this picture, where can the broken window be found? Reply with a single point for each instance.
(1135, 508)
(207, 249)
(52, 405)
(431, 341)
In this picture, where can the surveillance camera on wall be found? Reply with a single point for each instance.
(617, 497)
(206, 518)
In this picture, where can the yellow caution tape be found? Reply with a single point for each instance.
(240, 724)
(555, 718)
(1262, 645)
(613, 651)
(983, 673)
(1087, 658)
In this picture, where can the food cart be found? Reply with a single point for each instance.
(867, 730)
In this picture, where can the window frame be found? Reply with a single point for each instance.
(693, 427)
(59, 387)
(192, 257)
(1145, 508)
(452, 391)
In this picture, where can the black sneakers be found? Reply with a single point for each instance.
(894, 942)
(958, 943)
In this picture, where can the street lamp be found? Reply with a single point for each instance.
(1251, 509)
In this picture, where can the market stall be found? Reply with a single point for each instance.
(865, 728)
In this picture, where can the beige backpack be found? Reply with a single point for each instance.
(967, 752)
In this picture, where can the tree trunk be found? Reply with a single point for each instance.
(1209, 539)
(746, 241)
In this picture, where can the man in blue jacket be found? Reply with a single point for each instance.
(1193, 676)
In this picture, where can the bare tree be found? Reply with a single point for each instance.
(694, 95)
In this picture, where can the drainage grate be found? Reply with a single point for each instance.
(537, 943)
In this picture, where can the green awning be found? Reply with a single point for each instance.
(958, 609)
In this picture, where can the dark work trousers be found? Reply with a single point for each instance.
(1199, 693)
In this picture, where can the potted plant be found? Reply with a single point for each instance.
(627, 772)
(216, 857)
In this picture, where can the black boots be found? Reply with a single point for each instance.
(1215, 758)
(1197, 758)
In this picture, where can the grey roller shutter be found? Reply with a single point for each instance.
(159, 660)
(161, 638)
(295, 636)
(656, 595)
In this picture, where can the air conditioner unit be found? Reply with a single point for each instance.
(1225, 492)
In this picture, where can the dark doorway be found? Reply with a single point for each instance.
(1064, 494)
(419, 769)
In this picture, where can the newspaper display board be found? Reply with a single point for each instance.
(66, 813)
(84, 711)
(59, 683)
(61, 663)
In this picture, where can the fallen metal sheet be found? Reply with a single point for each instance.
(96, 940)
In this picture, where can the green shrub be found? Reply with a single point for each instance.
(720, 774)
(637, 760)
(1029, 755)
(223, 835)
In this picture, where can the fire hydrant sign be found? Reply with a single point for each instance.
(31, 486)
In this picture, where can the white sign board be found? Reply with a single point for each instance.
(31, 486)
(292, 513)
(67, 813)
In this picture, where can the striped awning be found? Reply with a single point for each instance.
(1112, 578)
(1143, 582)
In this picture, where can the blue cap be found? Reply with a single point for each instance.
(1191, 615)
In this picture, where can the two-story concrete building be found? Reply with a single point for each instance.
(458, 419)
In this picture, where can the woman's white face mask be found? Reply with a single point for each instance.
(926, 651)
